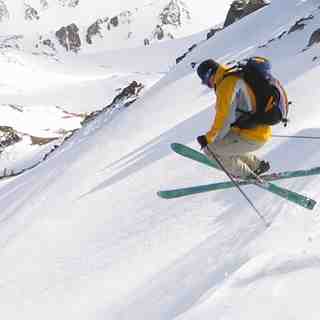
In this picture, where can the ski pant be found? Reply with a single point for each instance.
(236, 155)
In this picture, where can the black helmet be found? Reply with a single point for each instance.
(206, 70)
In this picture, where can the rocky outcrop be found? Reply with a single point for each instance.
(69, 37)
(173, 13)
(46, 46)
(95, 30)
(69, 3)
(212, 32)
(8, 137)
(242, 8)
(44, 4)
(158, 32)
(125, 98)
(300, 24)
(4, 13)
(30, 13)
(314, 38)
(235, 12)
(100, 26)
(254, 5)
(180, 58)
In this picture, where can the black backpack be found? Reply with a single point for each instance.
(272, 104)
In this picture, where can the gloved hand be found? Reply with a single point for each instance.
(202, 140)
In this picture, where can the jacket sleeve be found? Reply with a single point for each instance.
(224, 94)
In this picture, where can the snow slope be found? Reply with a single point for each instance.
(84, 235)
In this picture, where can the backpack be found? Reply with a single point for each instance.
(272, 104)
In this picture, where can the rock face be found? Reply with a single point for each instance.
(125, 98)
(8, 137)
(235, 12)
(254, 5)
(100, 26)
(69, 37)
(314, 38)
(300, 24)
(30, 13)
(44, 4)
(4, 13)
(173, 13)
(242, 8)
(172, 16)
(95, 30)
(69, 3)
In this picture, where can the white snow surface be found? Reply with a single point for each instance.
(85, 236)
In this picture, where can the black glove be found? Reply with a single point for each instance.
(202, 140)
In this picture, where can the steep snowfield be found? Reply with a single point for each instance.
(84, 235)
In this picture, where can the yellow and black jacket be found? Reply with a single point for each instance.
(233, 96)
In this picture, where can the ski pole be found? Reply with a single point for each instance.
(295, 137)
(236, 184)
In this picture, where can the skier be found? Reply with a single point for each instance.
(232, 145)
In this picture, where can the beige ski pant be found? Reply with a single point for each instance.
(236, 155)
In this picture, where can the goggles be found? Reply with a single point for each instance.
(206, 77)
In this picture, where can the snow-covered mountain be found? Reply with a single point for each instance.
(83, 235)
(90, 26)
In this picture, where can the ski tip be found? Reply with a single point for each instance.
(175, 145)
(161, 194)
(169, 194)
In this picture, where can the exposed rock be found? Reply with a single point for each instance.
(44, 4)
(99, 27)
(172, 14)
(114, 21)
(132, 90)
(300, 24)
(315, 38)
(158, 32)
(235, 12)
(242, 8)
(212, 32)
(4, 12)
(8, 136)
(180, 58)
(30, 13)
(95, 30)
(124, 99)
(146, 42)
(69, 37)
(69, 3)
(46, 44)
(254, 5)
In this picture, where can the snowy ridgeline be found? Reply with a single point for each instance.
(29, 135)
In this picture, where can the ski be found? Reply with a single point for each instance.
(292, 196)
(266, 185)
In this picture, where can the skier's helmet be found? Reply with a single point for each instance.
(206, 70)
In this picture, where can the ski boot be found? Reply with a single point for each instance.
(264, 166)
